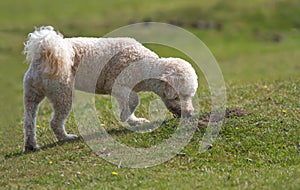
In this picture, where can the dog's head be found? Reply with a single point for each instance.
(180, 85)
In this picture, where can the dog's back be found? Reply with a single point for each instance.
(102, 59)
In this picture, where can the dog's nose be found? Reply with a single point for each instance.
(186, 114)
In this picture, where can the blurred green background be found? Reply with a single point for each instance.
(252, 41)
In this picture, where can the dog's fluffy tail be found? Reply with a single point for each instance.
(50, 51)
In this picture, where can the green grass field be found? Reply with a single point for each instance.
(257, 48)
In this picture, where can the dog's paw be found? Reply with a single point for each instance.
(137, 121)
(28, 148)
(68, 137)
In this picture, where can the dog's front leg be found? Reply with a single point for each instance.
(127, 107)
(127, 104)
(133, 120)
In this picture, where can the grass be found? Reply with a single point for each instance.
(260, 150)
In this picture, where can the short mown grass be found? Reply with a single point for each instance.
(258, 150)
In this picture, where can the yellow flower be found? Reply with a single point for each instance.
(50, 162)
(283, 111)
(37, 126)
(114, 173)
(102, 124)
(266, 86)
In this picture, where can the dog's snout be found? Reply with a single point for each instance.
(187, 114)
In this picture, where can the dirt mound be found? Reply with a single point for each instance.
(204, 119)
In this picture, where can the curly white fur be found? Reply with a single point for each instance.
(46, 44)
(55, 61)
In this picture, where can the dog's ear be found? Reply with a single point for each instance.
(169, 91)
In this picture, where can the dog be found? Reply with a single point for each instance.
(60, 65)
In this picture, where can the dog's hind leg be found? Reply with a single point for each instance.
(62, 105)
(31, 103)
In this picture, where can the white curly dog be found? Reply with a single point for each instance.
(55, 62)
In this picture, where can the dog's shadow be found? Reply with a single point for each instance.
(202, 122)
(87, 137)
(113, 132)
(44, 147)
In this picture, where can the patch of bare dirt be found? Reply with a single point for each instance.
(235, 112)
